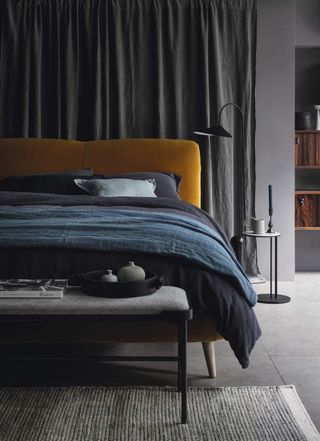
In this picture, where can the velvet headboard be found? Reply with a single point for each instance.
(27, 155)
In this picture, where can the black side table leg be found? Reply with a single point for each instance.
(276, 267)
(183, 372)
(179, 358)
(273, 297)
(271, 267)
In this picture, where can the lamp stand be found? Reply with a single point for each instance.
(244, 205)
(237, 243)
(238, 240)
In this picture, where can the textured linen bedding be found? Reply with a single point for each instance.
(71, 234)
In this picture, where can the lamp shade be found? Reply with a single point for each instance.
(214, 131)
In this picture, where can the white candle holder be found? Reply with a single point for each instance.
(317, 107)
(270, 224)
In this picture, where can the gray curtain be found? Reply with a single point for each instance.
(99, 69)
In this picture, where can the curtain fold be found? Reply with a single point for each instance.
(100, 69)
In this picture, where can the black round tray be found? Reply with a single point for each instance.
(92, 285)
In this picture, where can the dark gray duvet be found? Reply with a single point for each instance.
(209, 291)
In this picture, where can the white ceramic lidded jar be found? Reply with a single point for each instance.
(109, 277)
(131, 273)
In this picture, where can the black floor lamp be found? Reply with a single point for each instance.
(218, 130)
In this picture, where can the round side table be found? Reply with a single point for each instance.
(271, 297)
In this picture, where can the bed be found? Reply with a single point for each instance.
(217, 288)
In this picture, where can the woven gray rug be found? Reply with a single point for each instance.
(153, 413)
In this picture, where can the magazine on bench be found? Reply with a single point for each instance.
(32, 288)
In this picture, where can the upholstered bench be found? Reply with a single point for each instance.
(168, 304)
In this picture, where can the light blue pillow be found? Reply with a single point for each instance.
(118, 187)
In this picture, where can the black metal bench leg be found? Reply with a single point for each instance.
(182, 355)
(179, 359)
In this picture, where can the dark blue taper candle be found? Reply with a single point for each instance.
(270, 197)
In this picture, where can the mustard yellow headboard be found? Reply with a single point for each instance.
(27, 155)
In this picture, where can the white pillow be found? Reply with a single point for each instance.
(118, 187)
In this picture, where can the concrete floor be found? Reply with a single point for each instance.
(287, 353)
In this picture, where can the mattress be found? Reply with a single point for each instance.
(218, 289)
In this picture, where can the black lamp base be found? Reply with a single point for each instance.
(267, 298)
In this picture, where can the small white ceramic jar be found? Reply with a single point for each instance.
(131, 273)
(109, 277)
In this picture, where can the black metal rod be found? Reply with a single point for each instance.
(271, 264)
(167, 316)
(179, 358)
(183, 361)
(276, 267)
(90, 358)
(244, 171)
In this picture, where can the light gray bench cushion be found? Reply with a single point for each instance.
(167, 298)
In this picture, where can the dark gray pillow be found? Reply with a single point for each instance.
(167, 184)
(58, 183)
(118, 187)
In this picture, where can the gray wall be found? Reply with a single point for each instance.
(307, 22)
(275, 127)
(307, 34)
(307, 88)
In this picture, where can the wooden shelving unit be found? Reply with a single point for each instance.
(307, 156)
(307, 160)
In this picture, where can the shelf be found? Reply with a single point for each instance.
(307, 192)
(307, 46)
(307, 131)
(307, 228)
(315, 167)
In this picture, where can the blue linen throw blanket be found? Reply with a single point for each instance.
(112, 229)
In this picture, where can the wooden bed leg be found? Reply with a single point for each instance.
(208, 349)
